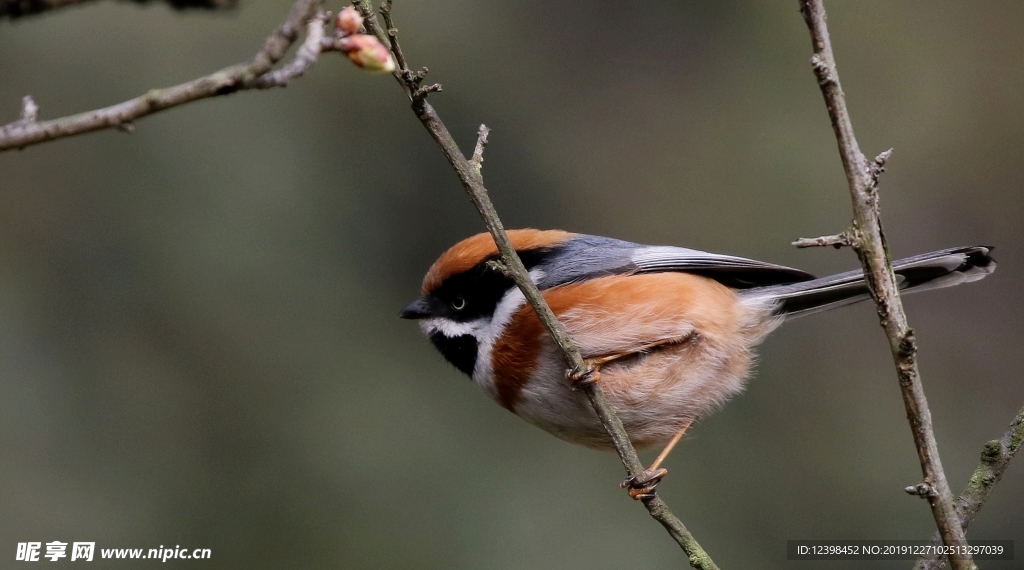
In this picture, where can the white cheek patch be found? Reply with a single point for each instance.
(509, 304)
(452, 329)
(483, 373)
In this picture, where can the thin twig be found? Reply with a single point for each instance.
(392, 32)
(250, 75)
(413, 81)
(837, 241)
(371, 25)
(995, 458)
(472, 181)
(871, 248)
(478, 152)
(14, 9)
(29, 110)
(307, 54)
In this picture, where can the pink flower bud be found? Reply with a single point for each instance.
(368, 52)
(349, 22)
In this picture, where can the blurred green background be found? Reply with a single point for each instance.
(198, 342)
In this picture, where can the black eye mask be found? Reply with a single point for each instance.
(480, 289)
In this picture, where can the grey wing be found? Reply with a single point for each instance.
(736, 272)
(587, 257)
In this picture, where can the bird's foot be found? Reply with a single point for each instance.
(641, 486)
(580, 378)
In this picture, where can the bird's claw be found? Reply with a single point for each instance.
(580, 378)
(641, 486)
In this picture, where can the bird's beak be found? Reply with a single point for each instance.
(418, 309)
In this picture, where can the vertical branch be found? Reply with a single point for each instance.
(868, 240)
(470, 174)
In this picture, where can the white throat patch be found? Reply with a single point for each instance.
(483, 373)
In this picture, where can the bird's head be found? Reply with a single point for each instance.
(462, 295)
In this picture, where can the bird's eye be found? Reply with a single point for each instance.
(458, 303)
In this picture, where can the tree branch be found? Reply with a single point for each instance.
(14, 9)
(307, 54)
(837, 241)
(470, 175)
(995, 458)
(870, 245)
(255, 74)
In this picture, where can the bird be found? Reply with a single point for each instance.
(670, 331)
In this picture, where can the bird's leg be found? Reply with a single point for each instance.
(580, 378)
(641, 486)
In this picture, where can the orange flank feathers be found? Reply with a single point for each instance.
(615, 315)
(464, 255)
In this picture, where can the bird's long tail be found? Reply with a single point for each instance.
(933, 270)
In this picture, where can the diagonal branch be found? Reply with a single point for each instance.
(254, 74)
(995, 458)
(15, 9)
(869, 242)
(469, 172)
